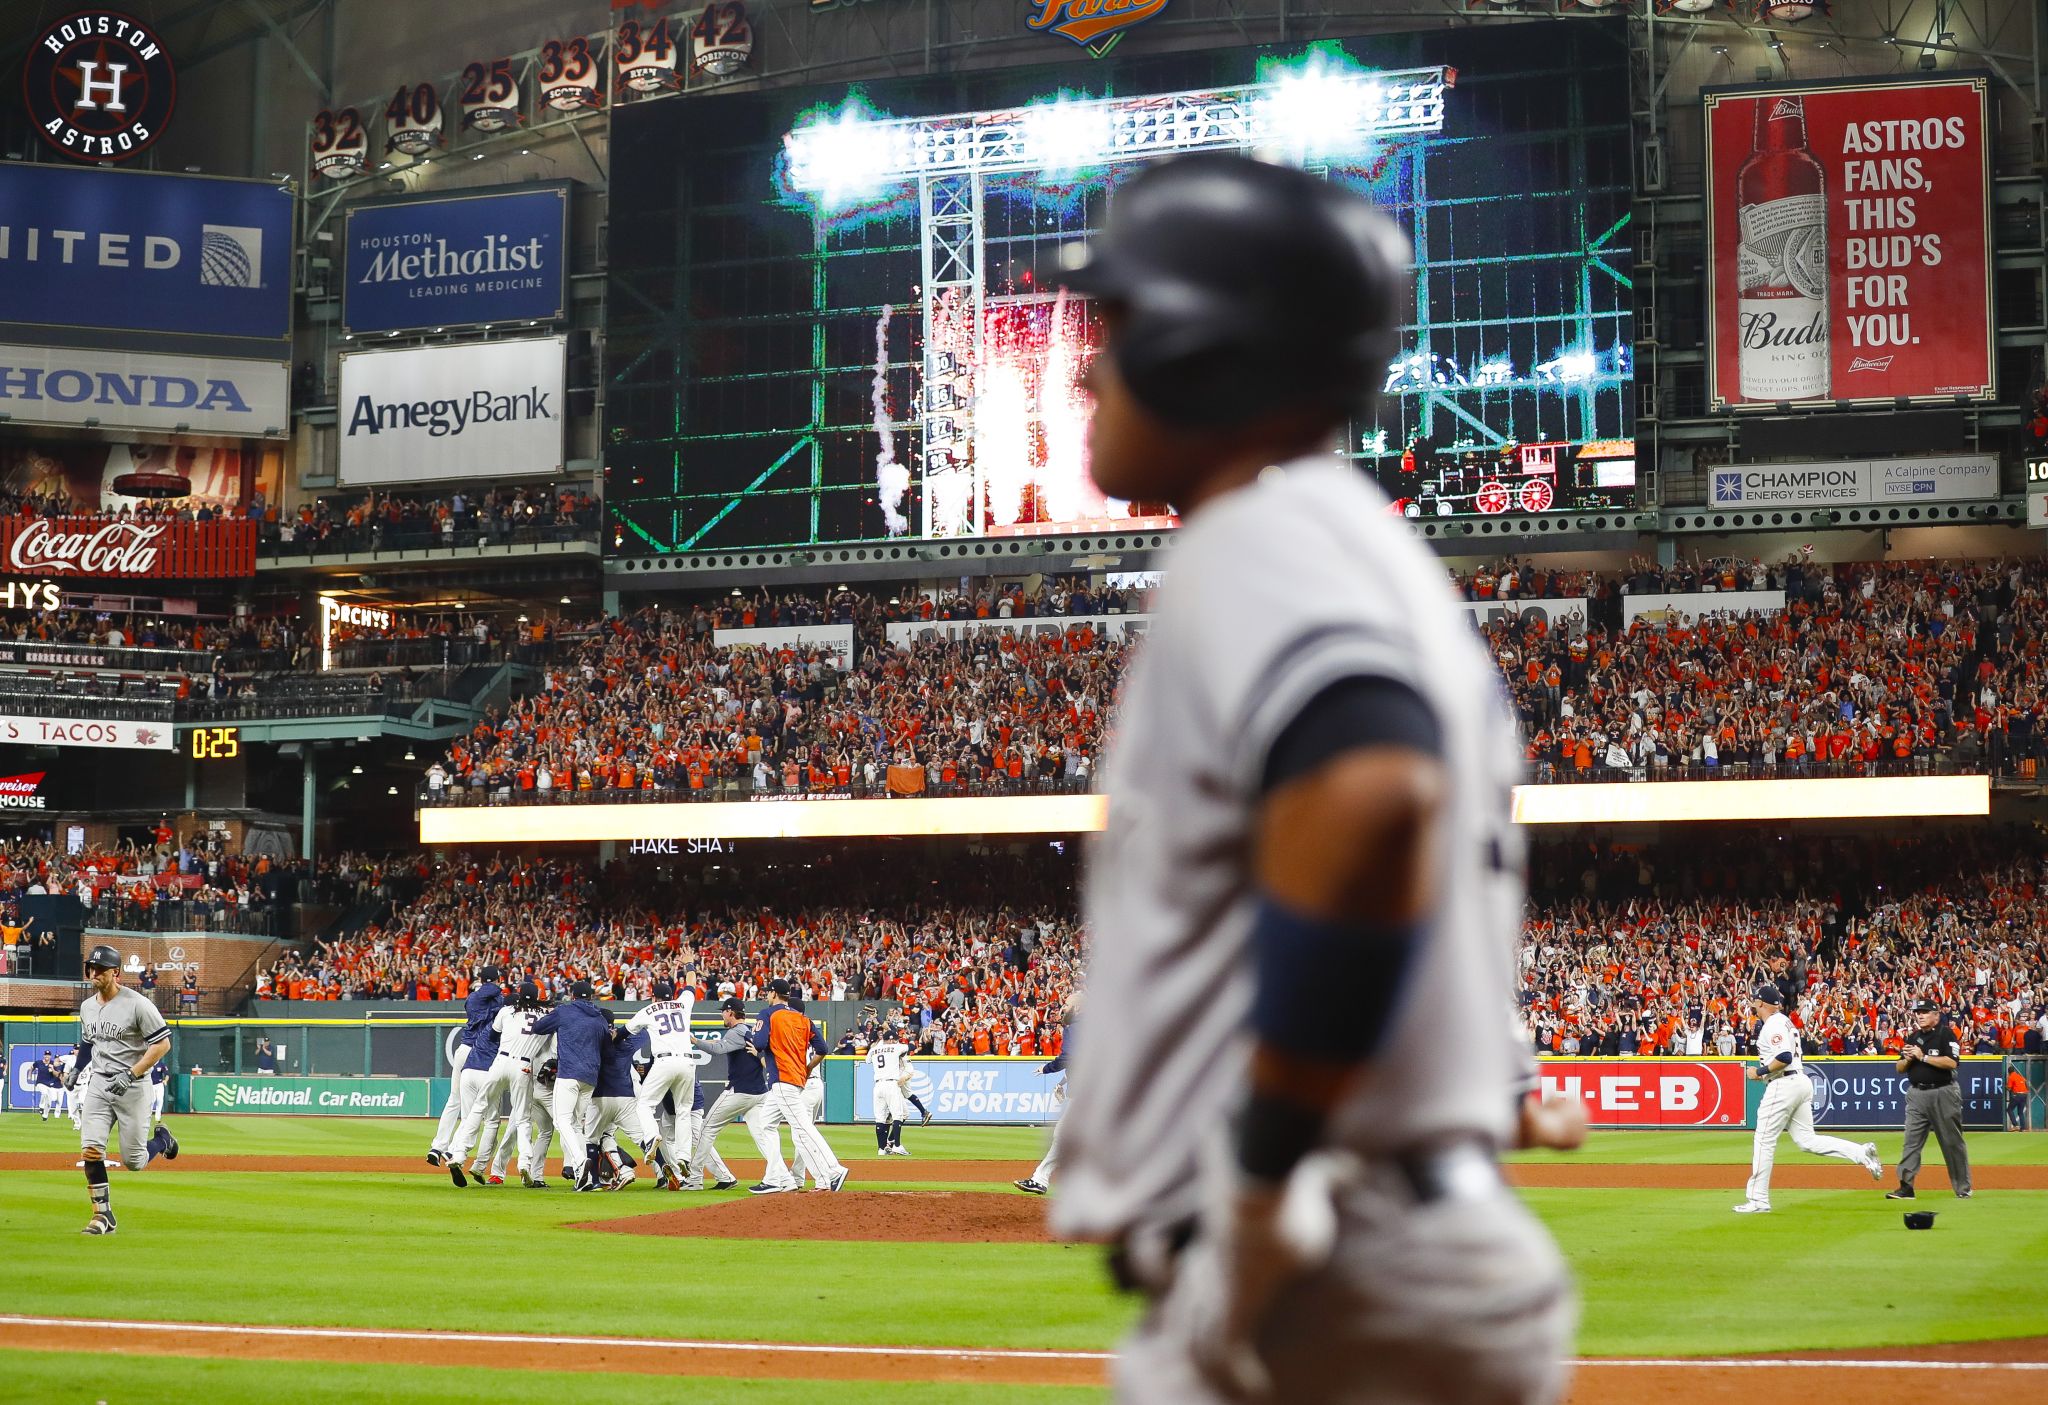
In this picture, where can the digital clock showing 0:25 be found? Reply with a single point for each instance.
(216, 743)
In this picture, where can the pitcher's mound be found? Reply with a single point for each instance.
(893, 1216)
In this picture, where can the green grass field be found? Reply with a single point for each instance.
(1661, 1272)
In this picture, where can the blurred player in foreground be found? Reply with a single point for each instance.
(1294, 1071)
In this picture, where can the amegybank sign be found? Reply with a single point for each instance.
(477, 410)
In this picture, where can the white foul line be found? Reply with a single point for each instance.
(1719, 1363)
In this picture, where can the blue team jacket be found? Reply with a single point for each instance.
(615, 1065)
(482, 1005)
(581, 1032)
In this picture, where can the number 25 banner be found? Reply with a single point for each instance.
(1849, 252)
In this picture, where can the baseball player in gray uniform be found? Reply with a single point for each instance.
(121, 1037)
(1309, 877)
(745, 1086)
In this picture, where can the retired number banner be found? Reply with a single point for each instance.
(1848, 243)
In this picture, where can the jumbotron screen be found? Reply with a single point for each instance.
(834, 315)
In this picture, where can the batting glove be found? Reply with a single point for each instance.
(119, 1082)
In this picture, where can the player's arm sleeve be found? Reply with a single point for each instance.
(548, 1023)
(1338, 686)
(640, 1019)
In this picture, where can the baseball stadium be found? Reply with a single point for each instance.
(1184, 702)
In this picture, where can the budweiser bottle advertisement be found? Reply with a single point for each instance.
(1782, 260)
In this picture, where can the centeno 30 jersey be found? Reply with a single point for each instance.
(886, 1058)
(1274, 592)
(516, 1037)
(1778, 1036)
(120, 1030)
(667, 1023)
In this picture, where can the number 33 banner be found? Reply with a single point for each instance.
(1848, 241)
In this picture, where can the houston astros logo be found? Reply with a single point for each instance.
(99, 86)
(1093, 24)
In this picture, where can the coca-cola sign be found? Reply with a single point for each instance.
(103, 548)
(1849, 243)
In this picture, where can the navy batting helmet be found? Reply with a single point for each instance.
(1245, 287)
(103, 956)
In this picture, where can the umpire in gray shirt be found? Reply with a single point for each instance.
(1934, 1101)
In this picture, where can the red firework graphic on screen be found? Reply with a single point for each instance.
(1018, 464)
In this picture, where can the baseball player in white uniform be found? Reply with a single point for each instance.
(456, 1047)
(1292, 1076)
(1787, 1105)
(504, 1084)
(121, 1038)
(889, 1058)
(673, 1072)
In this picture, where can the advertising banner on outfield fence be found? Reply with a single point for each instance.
(132, 251)
(142, 390)
(79, 731)
(486, 410)
(1928, 478)
(456, 260)
(1866, 1092)
(1848, 242)
(972, 1090)
(332, 1097)
(1649, 1092)
(1123, 627)
(23, 1094)
(1668, 608)
(836, 637)
(1566, 614)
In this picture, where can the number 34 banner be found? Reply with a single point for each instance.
(1849, 254)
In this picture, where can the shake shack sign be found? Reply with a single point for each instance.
(99, 86)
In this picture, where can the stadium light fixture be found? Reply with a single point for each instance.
(855, 152)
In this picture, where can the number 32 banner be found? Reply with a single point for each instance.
(1849, 254)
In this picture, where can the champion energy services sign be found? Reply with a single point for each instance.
(456, 260)
(476, 410)
(82, 548)
(1930, 478)
(330, 1097)
(141, 390)
(129, 251)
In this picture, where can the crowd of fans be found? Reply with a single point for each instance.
(983, 972)
(1868, 669)
(200, 882)
(409, 521)
(1631, 950)
(1627, 949)
(650, 703)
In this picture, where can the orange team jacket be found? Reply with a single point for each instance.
(790, 1040)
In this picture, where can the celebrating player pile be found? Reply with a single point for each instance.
(1311, 779)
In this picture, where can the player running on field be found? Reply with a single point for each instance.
(1040, 1179)
(1787, 1105)
(121, 1038)
(794, 1052)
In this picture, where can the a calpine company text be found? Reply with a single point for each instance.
(431, 265)
(443, 418)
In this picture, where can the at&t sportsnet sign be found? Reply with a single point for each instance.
(456, 261)
(99, 86)
(332, 1097)
(970, 1090)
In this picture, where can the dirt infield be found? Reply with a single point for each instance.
(896, 1216)
(1789, 1175)
(1993, 1373)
